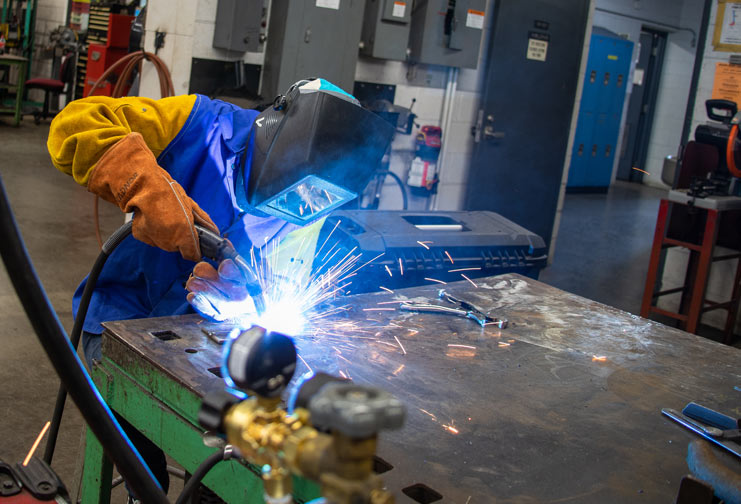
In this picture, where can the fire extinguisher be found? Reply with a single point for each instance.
(422, 178)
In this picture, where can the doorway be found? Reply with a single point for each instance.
(642, 105)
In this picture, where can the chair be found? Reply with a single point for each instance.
(52, 87)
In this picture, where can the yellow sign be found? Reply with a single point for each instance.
(727, 83)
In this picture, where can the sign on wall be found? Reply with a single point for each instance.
(727, 35)
(727, 83)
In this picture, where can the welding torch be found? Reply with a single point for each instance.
(218, 248)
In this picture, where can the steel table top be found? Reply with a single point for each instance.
(563, 405)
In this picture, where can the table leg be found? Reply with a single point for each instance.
(19, 93)
(703, 269)
(653, 264)
(97, 473)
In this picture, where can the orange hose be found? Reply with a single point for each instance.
(730, 158)
(129, 62)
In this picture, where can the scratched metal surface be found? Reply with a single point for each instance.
(562, 406)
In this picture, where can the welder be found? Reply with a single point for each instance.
(176, 162)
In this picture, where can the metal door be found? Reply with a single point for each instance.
(528, 98)
(641, 107)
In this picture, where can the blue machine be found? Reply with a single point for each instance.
(600, 112)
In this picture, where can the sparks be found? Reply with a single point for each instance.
(454, 345)
(36, 444)
(470, 281)
(343, 375)
(502, 344)
(463, 269)
(388, 270)
(401, 267)
(305, 363)
(451, 429)
(450, 258)
(424, 244)
(599, 358)
(400, 345)
(379, 309)
(435, 280)
(642, 171)
(398, 370)
(385, 289)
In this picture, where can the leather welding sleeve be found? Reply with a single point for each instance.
(85, 129)
(109, 145)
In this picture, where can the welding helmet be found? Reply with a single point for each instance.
(313, 150)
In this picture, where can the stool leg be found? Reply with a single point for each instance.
(733, 309)
(653, 264)
(703, 268)
(97, 473)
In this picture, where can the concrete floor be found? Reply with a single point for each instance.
(602, 254)
(604, 243)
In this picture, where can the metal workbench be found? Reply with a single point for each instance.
(561, 406)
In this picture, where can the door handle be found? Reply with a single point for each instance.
(490, 134)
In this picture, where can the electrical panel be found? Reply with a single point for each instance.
(386, 29)
(600, 113)
(447, 32)
(311, 38)
(238, 25)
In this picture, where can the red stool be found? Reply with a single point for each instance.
(702, 256)
(52, 87)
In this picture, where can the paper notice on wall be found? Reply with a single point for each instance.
(638, 76)
(727, 83)
(399, 9)
(328, 4)
(537, 46)
(475, 19)
(731, 31)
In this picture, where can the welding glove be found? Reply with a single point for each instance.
(220, 294)
(164, 216)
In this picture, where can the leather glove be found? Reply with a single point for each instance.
(164, 216)
(220, 294)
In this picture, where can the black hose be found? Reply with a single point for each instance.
(116, 238)
(203, 469)
(394, 176)
(68, 366)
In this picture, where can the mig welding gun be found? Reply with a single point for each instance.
(218, 248)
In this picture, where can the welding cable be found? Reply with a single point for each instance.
(203, 469)
(67, 364)
(116, 238)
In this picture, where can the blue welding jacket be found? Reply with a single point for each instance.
(139, 280)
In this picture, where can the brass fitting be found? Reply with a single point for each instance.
(283, 444)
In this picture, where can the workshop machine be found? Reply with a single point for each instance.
(712, 165)
(413, 247)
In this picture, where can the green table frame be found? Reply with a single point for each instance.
(10, 60)
(166, 412)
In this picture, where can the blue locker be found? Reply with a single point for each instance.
(600, 112)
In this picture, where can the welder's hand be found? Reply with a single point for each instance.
(128, 175)
(219, 294)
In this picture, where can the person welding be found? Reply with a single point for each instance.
(183, 161)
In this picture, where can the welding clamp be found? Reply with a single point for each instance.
(327, 433)
(462, 309)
